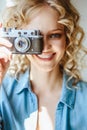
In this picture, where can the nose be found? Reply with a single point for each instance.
(46, 44)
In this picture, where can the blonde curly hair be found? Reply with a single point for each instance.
(22, 12)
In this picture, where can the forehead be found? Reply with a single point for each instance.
(46, 19)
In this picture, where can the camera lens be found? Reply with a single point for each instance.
(22, 44)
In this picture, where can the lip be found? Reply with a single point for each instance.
(46, 57)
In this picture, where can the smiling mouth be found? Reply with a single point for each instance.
(46, 56)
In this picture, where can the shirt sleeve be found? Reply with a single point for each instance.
(1, 123)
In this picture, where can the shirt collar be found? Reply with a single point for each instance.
(68, 92)
(23, 82)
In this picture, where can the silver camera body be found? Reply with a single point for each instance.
(24, 41)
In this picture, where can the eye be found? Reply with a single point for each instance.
(55, 36)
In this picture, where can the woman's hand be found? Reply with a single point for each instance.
(5, 56)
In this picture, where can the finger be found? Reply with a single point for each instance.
(0, 72)
(0, 77)
(5, 54)
(0, 25)
(5, 42)
(5, 50)
(4, 57)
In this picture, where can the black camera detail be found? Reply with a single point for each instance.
(24, 41)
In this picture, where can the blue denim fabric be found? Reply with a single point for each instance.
(18, 105)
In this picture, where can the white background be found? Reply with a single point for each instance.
(81, 5)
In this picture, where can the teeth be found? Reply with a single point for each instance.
(45, 56)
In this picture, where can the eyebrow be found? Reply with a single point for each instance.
(54, 30)
(57, 29)
(51, 32)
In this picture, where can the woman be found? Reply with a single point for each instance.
(43, 91)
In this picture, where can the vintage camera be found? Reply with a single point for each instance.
(24, 41)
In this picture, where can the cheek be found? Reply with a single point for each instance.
(63, 44)
(60, 46)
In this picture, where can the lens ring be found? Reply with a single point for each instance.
(22, 44)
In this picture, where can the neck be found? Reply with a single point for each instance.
(42, 80)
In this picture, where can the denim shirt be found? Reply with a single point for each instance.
(19, 105)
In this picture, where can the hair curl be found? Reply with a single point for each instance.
(22, 12)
